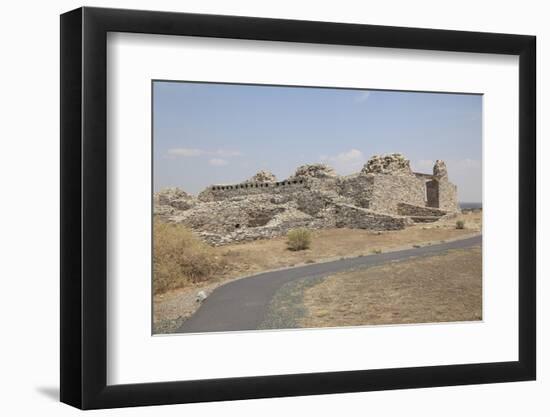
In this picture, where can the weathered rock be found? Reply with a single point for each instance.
(315, 171)
(175, 198)
(440, 169)
(393, 164)
(262, 177)
(201, 296)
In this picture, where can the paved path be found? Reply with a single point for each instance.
(242, 304)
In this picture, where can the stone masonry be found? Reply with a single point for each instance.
(385, 195)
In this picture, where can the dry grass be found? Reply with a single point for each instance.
(330, 244)
(472, 220)
(438, 288)
(180, 259)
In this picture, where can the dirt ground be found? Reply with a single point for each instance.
(331, 244)
(440, 288)
(244, 259)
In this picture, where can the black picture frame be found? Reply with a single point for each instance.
(84, 207)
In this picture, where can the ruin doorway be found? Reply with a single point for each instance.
(432, 193)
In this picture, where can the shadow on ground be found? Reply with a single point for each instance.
(50, 392)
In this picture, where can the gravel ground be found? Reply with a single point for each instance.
(287, 308)
(427, 289)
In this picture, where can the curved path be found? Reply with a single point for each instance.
(242, 304)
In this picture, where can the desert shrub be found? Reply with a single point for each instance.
(180, 258)
(376, 251)
(460, 224)
(298, 239)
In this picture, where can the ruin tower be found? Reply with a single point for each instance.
(440, 192)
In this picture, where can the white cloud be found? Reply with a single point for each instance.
(185, 152)
(217, 162)
(362, 96)
(346, 162)
(193, 152)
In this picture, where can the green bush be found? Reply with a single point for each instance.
(298, 239)
(460, 224)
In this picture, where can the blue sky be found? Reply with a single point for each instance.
(224, 133)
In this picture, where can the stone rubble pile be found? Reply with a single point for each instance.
(263, 176)
(394, 164)
(315, 171)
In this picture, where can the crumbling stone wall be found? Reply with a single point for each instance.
(385, 195)
(446, 191)
(448, 200)
(313, 202)
(390, 190)
(355, 217)
(405, 209)
(358, 188)
(224, 192)
(319, 177)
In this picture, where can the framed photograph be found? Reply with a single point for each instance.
(257, 208)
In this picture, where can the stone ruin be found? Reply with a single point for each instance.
(385, 195)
